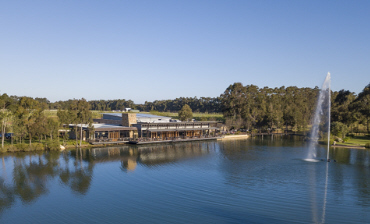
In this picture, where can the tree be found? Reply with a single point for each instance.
(185, 114)
(362, 104)
(5, 116)
(52, 127)
(64, 120)
(26, 113)
(73, 117)
(84, 115)
(339, 129)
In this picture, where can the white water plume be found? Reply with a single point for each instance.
(322, 102)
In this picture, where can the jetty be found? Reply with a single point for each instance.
(142, 141)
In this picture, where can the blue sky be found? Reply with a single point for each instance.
(154, 50)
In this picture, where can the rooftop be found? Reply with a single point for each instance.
(105, 126)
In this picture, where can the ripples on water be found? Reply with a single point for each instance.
(238, 181)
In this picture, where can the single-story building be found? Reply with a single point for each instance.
(123, 126)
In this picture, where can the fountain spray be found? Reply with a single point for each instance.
(325, 89)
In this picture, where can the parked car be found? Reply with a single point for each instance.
(7, 135)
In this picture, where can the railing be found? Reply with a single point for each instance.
(106, 139)
(178, 138)
(144, 139)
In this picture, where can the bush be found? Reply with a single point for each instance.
(337, 139)
(52, 144)
(346, 139)
(367, 145)
(22, 147)
(37, 147)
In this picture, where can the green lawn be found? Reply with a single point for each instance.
(357, 141)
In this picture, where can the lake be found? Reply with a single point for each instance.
(235, 181)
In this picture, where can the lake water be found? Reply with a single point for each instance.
(237, 181)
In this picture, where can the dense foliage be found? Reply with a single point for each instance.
(25, 118)
(202, 104)
(265, 108)
(185, 114)
(248, 107)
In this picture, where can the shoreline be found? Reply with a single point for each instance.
(229, 137)
(348, 146)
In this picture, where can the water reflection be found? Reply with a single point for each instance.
(260, 180)
(273, 172)
(31, 172)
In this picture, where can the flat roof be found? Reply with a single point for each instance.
(182, 129)
(103, 127)
(181, 122)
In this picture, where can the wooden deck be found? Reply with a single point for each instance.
(172, 140)
(108, 142)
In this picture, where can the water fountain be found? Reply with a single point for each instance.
(323, 102)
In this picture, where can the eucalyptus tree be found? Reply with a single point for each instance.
(26, 114)
(73, 117)
(39, 127)
(232, 100)
(341, 107)
(362, 105)
(52, 127)
(5, 116)
(185, 114)
(84, 115)
(64, 121)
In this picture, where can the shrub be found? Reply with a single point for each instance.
(367, 145)
(346, 139)
(37, 147)
(22, 147)
(337, 139)
(52, 144)
(9, 148)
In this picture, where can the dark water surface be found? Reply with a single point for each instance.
(236, 181)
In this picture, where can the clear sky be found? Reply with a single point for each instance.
(154, 50)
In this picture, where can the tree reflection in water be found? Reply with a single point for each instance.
(31, 173)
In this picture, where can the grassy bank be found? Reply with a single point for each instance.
(40, 146)
(356, 141)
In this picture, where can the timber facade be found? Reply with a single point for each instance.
(132, 127)
(183, 130)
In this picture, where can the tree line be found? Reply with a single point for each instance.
(248, 107)
(264, 109)
(202, 104)
(25, 118)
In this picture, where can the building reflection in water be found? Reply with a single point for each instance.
(150, 155)
(25, 177)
